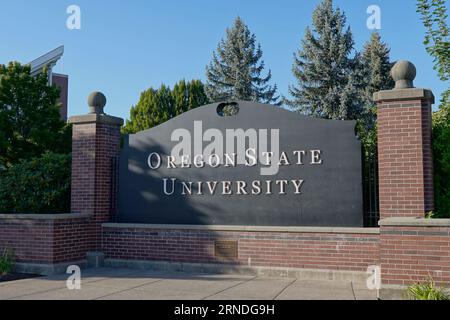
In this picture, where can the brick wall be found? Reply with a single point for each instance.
(405, 158)
(96, 140)
(83, 165)
(71, 239)
(45, 239)
(316, 250)
(413, 251)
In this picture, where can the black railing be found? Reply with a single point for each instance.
(114, 187)
(370, 189)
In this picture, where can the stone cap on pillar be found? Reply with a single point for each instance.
(404, 73)
(96, 102)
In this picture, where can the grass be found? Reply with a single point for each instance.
(426, 291)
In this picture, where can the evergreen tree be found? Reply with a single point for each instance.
(158, 106)
(377, 76)
(376, 60)
(188, 96)
(324, 69)
(235, 72)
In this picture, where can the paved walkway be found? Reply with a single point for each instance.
(125, 284)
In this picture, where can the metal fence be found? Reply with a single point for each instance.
(114, 188)
(370, 189)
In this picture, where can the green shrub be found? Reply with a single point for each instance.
(37, 185)
(6, 262)
(426, 291)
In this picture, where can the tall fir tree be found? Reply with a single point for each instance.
(235, 72)
(377, 76)
(324, 69)
(158, 106)
(376, 60)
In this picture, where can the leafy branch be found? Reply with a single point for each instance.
(434, 17)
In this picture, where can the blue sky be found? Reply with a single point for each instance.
(124, 47)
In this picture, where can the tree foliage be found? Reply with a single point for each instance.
(37, 185)
(441, 155)
(30, 122)
(375, 58)
(377, 76)
(158, 106)
(437, 42)
(235, 72)
(334, 81)
(434, 17)
(327, 85)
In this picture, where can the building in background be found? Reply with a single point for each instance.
(49, 60)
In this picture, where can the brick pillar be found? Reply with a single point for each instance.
(95, 141)
(404, 146)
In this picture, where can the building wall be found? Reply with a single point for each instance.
(62, 81)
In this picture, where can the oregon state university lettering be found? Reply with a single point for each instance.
(262, 166)
(255, 187)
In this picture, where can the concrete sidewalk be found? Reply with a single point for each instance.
(126, 284)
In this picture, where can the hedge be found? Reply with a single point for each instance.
(441, 155)
(37, 185)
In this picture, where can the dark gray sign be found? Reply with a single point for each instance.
(264, 166)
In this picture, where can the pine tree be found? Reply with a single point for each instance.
(377, 76)
(158, 106)
(376, 60)
(235, 72)
(324, 69)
